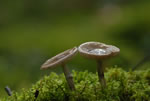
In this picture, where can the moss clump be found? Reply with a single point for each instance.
(121, 86)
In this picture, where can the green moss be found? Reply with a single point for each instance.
(121, 86)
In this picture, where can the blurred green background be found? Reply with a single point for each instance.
(31, 31)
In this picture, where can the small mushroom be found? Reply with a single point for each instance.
(99, 52)
(62, 59)
(8, 90)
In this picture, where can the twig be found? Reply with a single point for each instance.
(145, 59)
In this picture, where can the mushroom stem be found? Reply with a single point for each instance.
(68, 77)
(8, 90)
(100, 70)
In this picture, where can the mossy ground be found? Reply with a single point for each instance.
(121, 86)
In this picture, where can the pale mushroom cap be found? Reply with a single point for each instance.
(97, 50)
(60, 58)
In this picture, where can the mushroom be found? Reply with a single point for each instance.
(8, 90)
(62, 59)
(99, 52)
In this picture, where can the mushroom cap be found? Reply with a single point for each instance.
(97, 50)
(60, 59)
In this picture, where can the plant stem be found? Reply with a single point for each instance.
(140, 63)
(69, 77)
(100, 70)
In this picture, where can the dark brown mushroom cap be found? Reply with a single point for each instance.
(97, 50)
(60, 58)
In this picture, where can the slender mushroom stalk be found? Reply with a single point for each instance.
(8, 90)
(68, 77)
(61, 59)
(99, 52)
(100, 70)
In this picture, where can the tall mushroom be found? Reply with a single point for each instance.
(62, 59)
(99, 52)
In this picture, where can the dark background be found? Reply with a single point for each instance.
(31, 31)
